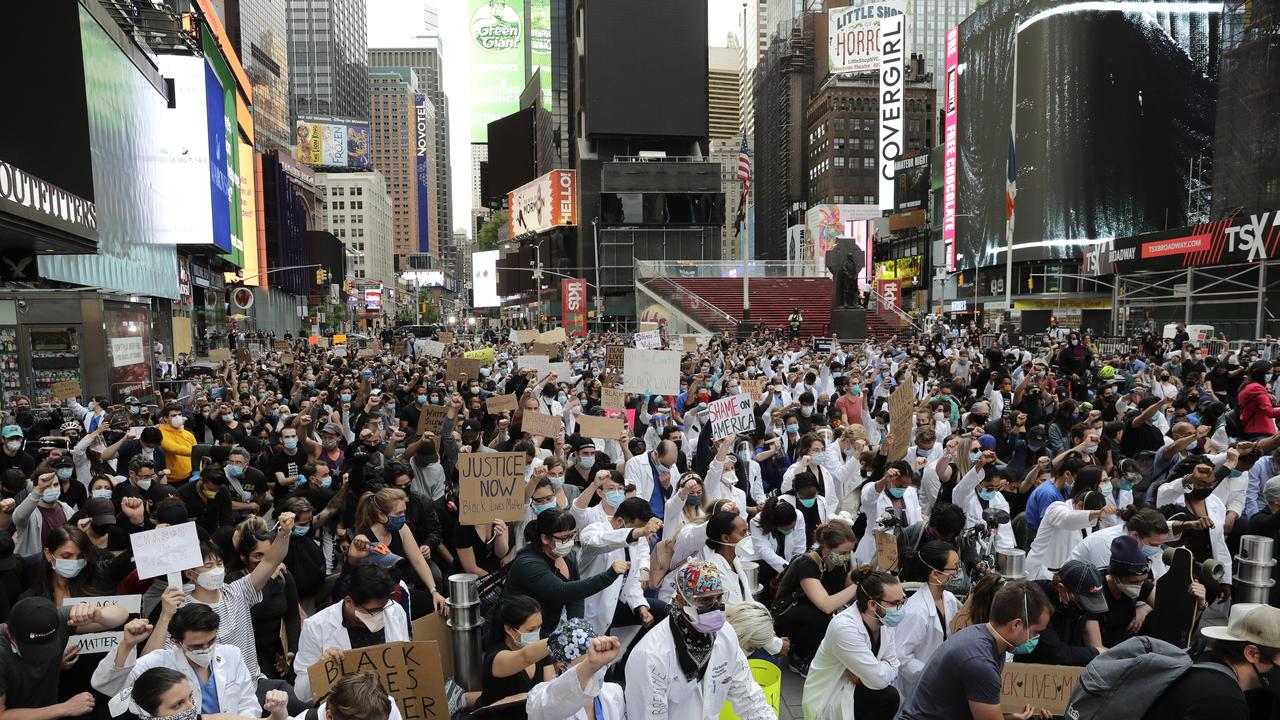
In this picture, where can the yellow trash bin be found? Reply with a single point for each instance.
(769, 677)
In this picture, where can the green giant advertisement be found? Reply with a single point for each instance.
(497, 61)
(540, 45)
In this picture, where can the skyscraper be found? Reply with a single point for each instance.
(723, 93)
(328, 58)
(927, 24)
(423, 56)
(392, 147)
(755, 42)
(259, 30)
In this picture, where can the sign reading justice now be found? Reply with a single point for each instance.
(490, 487)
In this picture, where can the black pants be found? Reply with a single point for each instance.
(805, 625)
(871, 704)
(624, 616)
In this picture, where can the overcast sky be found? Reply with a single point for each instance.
(393, 22)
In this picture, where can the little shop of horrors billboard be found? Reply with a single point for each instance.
(1235, 241)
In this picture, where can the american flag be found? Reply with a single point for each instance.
(744, 176)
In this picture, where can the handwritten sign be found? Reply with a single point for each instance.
(409, 672)
(484, 355)
(754, 388)
(647, 326)
(490, 487)
(614, 356)
(243, 357)
(101, 642)
(281, 345)
(286, 358)
(430, 348)
(164, 550)
(446, 338)
(524, 337)
(500, 403)
(555, 335)
(219, 355)
(541, 363)
(65, 389)
(651, 340)
(1041, 686)
(131, 603)
(651, 371)
(399, 348)
(600, 427)
(613, 399)
(463, 366)
(431, 419)
(549, 349)
(563, 370)
(433, 628)
(731, 416)
(368, 353)
(542, 424)
(339, 339)
(887, 553)
(901, 405)
(340, 351)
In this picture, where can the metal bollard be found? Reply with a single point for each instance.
(466, 625)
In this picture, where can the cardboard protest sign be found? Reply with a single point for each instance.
(651, 371)
(614, 356)
(690, 343)
(600, 427)
(647, 326)
(286, 358)
(527, 336)
(430, 348)
(410, 672)
(541, 348)
(243, 357)
(731, 415)
(339, 350)
(651, 340)
(887, 553)
(613, 399)
(754, 388)
(339, 339)
(65, 389)
(101, 642)
(463, 366)
(901, 406)
(500, 403)
(490, 487)
(164, 550)
(536, 423)
(541, 363)
(1042, 686)
(399, 348)
(368, 353)
(445, 337)
(282, 345)
(555, 335)
(484, 355)
(433, 628)
(563, 370)
(219, 355)
(431, 419)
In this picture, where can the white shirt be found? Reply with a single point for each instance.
(920, 634)
(601, 545)
(1173, 493)
(876, 504)
(765, 545)
(565, 698)
(657, 689)
(1096, 550)
(324, 630)
(966, 496)
(237, 691)
(1057, 535)
(828, 692)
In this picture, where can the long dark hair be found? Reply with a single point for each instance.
(80, 585)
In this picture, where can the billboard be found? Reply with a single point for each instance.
(550, 201)
(911, 182)
(893, 59)
(825, 224)
(331, 142)
(540, 45)
(422, 145)
(372, 298)
(484, 279)
(1115, 112)
(497, 61)
(853, 37)
(1237, 241)
(573, 301)
(950, 160)
(186, 178)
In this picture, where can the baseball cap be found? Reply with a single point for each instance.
(331, 429)
(1085, 581)
(1036, 434)
(1127, 558)
(11, 431)
(471, 426)
(988, 442)
(131, 400)
(101, 510)
(1249, 622)
(381, 556)
(33, 625)
(63, 461)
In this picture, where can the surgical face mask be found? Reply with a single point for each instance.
(65, 473)
(13, 445)
(614, 498)
(897, 492)
(892, 617)
(345, 397)
(374, 621)
(290, 443)
(1130, 591)
(235, 471)
(1091, 449)
(422, 399)
(301, 530)
(211, 579)
(539, 509)
(819, 457)
(921, 452)
(557, 481)
(706, 620)
(987, 495)
(329, 444)
(693, 500)
(587, 461)
(201, 657)
(808, 502)
(793, 428)
(526, 638)
(1150, 551)
(563, 547)
(102, 493)
(806, 410)
(974, 456)
(744, 455)
(69, 568)
(1105, 488)
(1029, 646)
(51, 495)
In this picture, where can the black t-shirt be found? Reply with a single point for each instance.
(25, 684)
(804, 566)
(496, 688)
(209, 514)
(282, 462)
(21, 460)
(1120, 612)
(1140, 438)
(1201, 694)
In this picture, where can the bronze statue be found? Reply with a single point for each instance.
(846, 263)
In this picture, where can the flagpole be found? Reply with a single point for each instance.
(1013, 173)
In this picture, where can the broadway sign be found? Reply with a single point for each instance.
(1242, 239)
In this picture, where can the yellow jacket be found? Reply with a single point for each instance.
(177, 444)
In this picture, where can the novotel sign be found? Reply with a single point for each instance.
(29, 197)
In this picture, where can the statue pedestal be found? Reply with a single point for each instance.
(849, 323)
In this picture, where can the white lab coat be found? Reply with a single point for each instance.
(1121, 499)
(1096, 550)
(875, 504)
(920, 634)
(601, 545)
(828, 692)
(564, 698)
(657, 689)
(1058, 534)
(324, 630)
(836, 479)
(966, 496)
(237, 692)
(1173, 492)
(765, 545)
(639, 472)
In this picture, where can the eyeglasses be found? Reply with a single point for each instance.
(542, 500)
(892, 605)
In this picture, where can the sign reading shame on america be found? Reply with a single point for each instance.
(731, 416)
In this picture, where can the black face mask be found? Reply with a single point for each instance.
(1200, 493)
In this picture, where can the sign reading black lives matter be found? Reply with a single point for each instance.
(490, 487)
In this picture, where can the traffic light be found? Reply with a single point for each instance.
(322, 276)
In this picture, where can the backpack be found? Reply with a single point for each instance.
(1235, 422)
(1128, 679)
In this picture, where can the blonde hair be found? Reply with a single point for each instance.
(753, 624)
(701, 509)
(373, 504)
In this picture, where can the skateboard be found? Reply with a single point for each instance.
(1176, 611)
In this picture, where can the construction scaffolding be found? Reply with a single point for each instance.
(783, 83)
(1247, 142)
